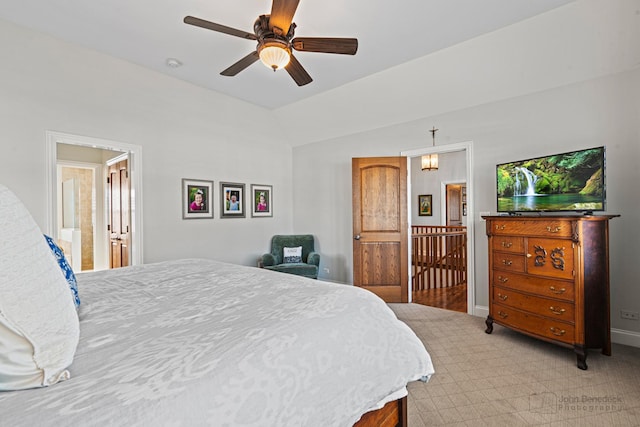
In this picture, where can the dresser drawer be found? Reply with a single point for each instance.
(543, 287)
(560, 310)
(508, 244)
(509, 262)
(534, 324)
(547, 228)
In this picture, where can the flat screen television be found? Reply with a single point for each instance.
(566, 182)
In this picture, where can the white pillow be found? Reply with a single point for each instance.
(39, 327)
(292, 255)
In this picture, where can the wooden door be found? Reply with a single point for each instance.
(454, 206)
(380, 226)
(118, 195)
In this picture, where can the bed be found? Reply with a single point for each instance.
(200, 342)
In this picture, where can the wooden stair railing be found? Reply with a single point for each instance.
(438, 256)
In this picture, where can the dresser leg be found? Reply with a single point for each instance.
(489, 323)
(581, 355)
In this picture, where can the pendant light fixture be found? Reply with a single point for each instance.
(430, 161)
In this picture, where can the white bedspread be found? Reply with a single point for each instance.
(198, 342)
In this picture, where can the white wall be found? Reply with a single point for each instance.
(184, 131)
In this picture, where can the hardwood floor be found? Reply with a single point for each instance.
(451, 298)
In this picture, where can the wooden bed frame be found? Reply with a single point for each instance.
(393, 414)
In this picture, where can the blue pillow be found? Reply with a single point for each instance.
(66, 269)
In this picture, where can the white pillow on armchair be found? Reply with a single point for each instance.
(292, 255)
(39, 326)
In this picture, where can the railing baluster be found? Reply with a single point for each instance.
(439, 256)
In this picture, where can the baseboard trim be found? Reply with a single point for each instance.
(618, 336)
(480, 311)
(621, 336)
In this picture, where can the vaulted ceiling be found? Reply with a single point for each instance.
(149, 32)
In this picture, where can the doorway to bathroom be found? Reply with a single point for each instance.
(94, 186)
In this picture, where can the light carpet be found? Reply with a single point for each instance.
(509, 379)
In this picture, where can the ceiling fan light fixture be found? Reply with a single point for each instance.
(275, 55)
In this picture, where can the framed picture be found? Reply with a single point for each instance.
(425, 205)
(197, 199)
(231, 200)
(464, 209)
(464, 194)
(261, 200)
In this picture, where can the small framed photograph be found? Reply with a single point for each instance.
(197, 197)
(425, 205)
(464, 209)
(261, 200)
(232, 200)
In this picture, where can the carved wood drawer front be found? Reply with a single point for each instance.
(534, 324)
(508, 244)
(547, 228)
(544, 287)
(561, 310)
(505, 261)
(550, 257)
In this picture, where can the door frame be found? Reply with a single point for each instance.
(135, 176)
(467, 147)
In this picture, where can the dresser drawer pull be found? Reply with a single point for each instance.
(507, 262)
(557, 332)
(503, 314)
(554, 230)
(503, 279)
(503, 297)
(507, 244)
(557, 291)
(557, 311)
(500, 227)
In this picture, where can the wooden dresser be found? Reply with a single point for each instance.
(549, 278)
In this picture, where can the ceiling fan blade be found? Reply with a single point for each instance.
(297, 72)
(282, 12)
(192, 20)
(241, 65)
(344, 46)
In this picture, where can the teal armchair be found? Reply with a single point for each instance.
(306, 266)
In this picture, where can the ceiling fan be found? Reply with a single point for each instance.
(274, 34)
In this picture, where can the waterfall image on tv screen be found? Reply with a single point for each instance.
(573, 181)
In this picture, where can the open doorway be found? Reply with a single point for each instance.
(78, 219)
(452, 241)
(80, 199)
